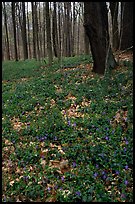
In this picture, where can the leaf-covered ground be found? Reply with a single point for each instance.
(67, 133)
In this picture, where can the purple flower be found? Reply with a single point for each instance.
(45, 137)
(126, 142)
(103, 113)
(103, 172)
(48, 188)
(74, 124)
(97, 166)
(113, 131)
(60, 188)
(74, 164)
(126, 167)
(97, 129)
(93, 126)
(55, 186)
(117, 172)
(62, 178)
(69, 123)
(107, 138)
(125, 149)
(95, 174)
(78, 193)
(123, 195)
(25, 178)
(104, 176)
(107, 128)
(126, 182)
(55, 138)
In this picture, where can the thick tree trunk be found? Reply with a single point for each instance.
(34, 31)
(48, 33)
(115, 31)
(126, 25)
(29, 41)
(14, 28)
(25, 49)
(37, 31)
(55, 33)
(96, 26)
(7, 37)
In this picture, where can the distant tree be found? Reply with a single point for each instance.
(6, 29)
(37, 31)
(14, 29)
(55, 33)
(48, 33)
(44, 29)
(28, 31)
(34, 31)
(126, 33)
(24, 34)
(115, 30)
(96, 26)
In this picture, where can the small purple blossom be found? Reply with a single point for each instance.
(95, 174)
(113, 131)
(74, 124)
(61, 188)
(55, 138)
(126, 182)
(103, 172)
(74, 164)
(69, 123)
(55, 186)
(107, 128)
(125, 149)
(126, 142)
(123, 195)
(97, 165)
(45, 137)
(104, 176)
(48, 188)
(104, 113)
(106, 138)
(117, 172)
(78, 193)
(126, 167)
(93, 126)
(25, 178)
(62, 178)
(97, 129)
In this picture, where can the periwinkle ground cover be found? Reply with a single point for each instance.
(99, 154)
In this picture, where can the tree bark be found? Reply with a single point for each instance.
(37, 31)
(29, 40)
(96, 26)
(55, 33)
(115, 31)
(34, 32)
(7, 37)
(14, 29)
(48, 33)
(24, 34)
(126, 25)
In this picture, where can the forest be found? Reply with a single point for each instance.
(67, 101)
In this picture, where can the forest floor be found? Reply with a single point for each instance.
(67, 133)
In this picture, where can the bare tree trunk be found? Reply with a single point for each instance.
(37, 31)
(44, 35)
(126, 25)
(59, 28)
(68, 30)
(29, 40)
(7, 38)
(40, 32)
(55, 33)
(115, 31)
(14, 29)
(34, 31)
(25, 50)
(96, 25)
(48, 32)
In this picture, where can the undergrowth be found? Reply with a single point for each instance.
(67, 133)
